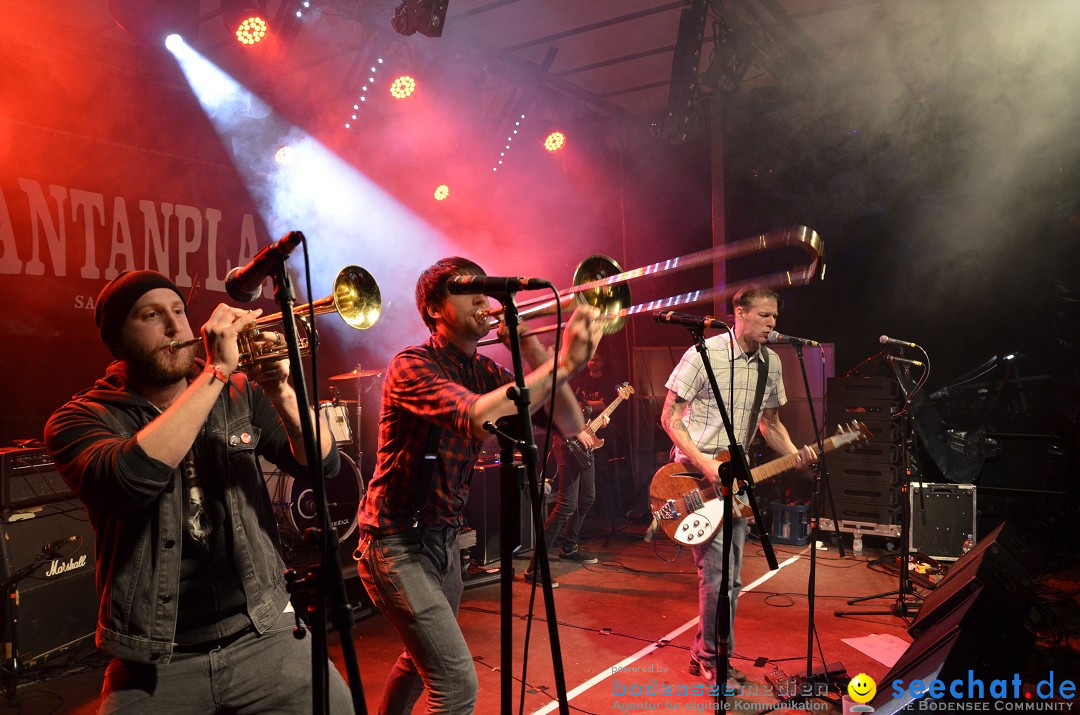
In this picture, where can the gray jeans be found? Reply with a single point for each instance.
(414, 578)
(577, 493)
(270, 673)
(709, 562)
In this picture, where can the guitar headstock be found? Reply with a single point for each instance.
(625, 390)
(854, 432)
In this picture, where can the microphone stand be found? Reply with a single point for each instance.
(738, 470)
(901, 606)
(821, 476)
(510, 525)
(324, 581)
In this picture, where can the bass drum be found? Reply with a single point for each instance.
(294, 500)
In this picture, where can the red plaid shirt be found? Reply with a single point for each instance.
(429, 386)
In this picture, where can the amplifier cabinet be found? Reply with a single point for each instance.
(57, 602)
(28, 478)
(482, 514)
(942, 515)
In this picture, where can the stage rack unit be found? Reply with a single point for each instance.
(866, 479)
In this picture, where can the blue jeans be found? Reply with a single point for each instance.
(577, 492)
(709, 562)
(414, 578)
(270, 673)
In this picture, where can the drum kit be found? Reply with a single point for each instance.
(293, 500)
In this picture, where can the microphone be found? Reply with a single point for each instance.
(245, 283)
(905, 361)
(493, 285)
(775, 337)
(886, 340)
(689, 321)
(54, 545)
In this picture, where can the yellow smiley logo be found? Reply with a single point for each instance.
(862, 688)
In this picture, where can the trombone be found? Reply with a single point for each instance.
(600, 281)
(356, 298)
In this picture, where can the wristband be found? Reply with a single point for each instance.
(217, 373)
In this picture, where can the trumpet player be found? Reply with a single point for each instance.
(436, 398)
(163, 451)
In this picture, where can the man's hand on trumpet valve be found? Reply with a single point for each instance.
(220, 333)
(272, 376)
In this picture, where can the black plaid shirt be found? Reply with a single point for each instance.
(427, 387)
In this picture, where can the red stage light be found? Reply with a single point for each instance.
(441, 192)
(402, 87)
(555, 141)
(251, 31)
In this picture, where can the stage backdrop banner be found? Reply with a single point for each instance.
(105, 166)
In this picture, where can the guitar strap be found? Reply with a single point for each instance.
(759, 395)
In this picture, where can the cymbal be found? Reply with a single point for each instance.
(357, 374)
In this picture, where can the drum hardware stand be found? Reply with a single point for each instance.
(510, 520)
(326, 582)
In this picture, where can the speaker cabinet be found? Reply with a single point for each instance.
(960, 641)
(993, 568)
(942, 515)
(57, 602)
(482, 514)
(973, 621)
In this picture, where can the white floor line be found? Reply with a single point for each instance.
(605, 674)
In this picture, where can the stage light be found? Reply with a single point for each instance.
(246, 20)
(555, 141)
(252, 31)
(285, 155)
(441, 192)
(424, 16)
(403, 87)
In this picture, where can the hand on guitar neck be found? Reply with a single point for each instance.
(711, 467)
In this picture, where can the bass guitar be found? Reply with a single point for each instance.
(582, 453)
(690, 509)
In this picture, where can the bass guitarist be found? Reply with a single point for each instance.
(576, 479)
(752, 385)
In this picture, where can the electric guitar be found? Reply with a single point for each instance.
(582, 453)
(690, 509)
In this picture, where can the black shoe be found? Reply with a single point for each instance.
(530, 576)
(578, 556)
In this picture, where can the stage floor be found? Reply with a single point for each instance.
(626, 625)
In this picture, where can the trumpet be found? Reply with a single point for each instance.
(356, 298)
(600, 281)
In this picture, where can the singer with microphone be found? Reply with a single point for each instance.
(436, 398)
(752, 385)
(163, 451)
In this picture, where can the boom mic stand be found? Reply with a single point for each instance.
(509, 521)
(326, 581)
(821, 476)
(903, 603)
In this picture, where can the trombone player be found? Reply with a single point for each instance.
(163, 451)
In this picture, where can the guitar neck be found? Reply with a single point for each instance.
(783, 464)
(597, 421)
(770, 469)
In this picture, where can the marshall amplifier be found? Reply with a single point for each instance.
(49, 551)
(28, 478)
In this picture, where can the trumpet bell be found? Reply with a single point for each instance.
(357, 298)
(610, 299)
